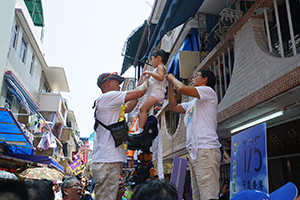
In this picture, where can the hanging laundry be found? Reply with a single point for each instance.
(52, 118)
(57, 130)
(33, 120)
(52, 141)
(44, 142)
(40, 126)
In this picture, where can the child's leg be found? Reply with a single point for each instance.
(150, 101)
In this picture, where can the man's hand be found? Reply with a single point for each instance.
(143, 86)
(170, 77)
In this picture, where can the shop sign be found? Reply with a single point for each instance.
(248, 168)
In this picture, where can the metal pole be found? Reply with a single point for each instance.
(268, 30)
(288, 10)
(224, 71)
(229, 62)
(216, 88)
(220, 78)
(278, 29)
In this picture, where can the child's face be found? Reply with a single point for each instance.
(154, 61)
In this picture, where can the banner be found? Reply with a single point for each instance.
(248, 168)
(76, 163)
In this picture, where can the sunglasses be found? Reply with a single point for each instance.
(114, 73)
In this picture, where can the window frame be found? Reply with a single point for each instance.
(23, 49)
(32, 65)
(15, 35)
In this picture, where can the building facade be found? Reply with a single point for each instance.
(253, 48)
(30, 88)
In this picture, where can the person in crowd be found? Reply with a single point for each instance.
(71, 189)
(57, 192)
(201, 136)
(40, 189)
(156, 90)
(86, 197)
(155, 190)
(121, 191)
(107, 159)
(13, 190)
(87, 189)
(224, 191)
(84, 181)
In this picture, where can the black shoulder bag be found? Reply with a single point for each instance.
(118, 130)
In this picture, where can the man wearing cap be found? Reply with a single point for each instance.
(107, 159)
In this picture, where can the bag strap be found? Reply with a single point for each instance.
(97, 122)
(101, 123)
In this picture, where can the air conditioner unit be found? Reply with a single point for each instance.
(188, 61)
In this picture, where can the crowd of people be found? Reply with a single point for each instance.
(79, 188)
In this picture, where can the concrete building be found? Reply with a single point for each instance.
(29, 86)
(253, 48)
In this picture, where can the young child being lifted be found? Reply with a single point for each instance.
(156, 89)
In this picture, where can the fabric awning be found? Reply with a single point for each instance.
(174, 14)
(39, 159)
(131, 46)
(20, 91)
(35, 10)
(12, 136)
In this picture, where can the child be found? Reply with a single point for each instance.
(156, 88)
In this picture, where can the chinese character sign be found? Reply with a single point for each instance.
(248, 168)
(75, 164)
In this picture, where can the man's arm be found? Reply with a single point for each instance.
(181, 88)
(174, 106)
(161, 72)
(133, 95)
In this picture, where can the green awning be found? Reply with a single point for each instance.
(35, 10)
(131, 47)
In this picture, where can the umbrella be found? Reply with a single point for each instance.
(8, 175)
(42, 173)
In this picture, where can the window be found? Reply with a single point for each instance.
(15, 36)
(9, 99)
(284, 28)
(32, 65)
(23, 50)
(172, 118)
(46, 88)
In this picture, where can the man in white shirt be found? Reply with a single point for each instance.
(107, 159)
(201, 137)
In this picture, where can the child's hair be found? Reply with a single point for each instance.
(164, 55)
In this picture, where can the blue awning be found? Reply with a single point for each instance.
(12, 136)
(20, 91)
(39, 159)
(175, 13)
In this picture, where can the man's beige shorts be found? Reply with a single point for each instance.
(205, 174)
(106, 180)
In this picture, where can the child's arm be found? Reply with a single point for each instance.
(161, 72)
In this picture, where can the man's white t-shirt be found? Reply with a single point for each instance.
(201, 121)
(108, 109)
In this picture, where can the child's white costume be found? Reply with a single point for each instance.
(156, 88)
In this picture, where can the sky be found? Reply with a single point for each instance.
(86, 39)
